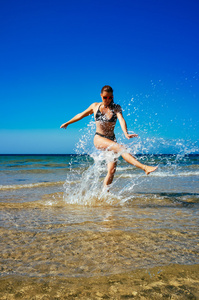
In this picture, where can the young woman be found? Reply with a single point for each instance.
(106, 114)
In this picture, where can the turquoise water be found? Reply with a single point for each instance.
(74, 175)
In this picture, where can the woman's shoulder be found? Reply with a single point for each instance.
(117, 107)
(95, 104)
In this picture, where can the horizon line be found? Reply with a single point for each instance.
(75, 154)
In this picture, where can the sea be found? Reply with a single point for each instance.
(64, 237)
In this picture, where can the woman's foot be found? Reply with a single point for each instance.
(105, 189)
(149, 169)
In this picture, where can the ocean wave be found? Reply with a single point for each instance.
(117, 175)
(33, 171)
(180, 173)
(159, 174)
(30, 185)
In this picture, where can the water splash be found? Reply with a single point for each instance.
(84, 182)
(84, 186)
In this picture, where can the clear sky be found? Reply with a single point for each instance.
(55, 56)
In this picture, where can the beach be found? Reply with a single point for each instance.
(63, 237)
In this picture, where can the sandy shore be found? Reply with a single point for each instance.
(168, 282)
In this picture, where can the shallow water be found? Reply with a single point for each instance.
(62, 237)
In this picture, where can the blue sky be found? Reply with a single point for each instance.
(56, 55)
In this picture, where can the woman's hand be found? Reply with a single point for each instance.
(131, 135)
(64, 125)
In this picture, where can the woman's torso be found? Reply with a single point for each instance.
(105, 118)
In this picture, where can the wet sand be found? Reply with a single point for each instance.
(170, 282)
(72, 252)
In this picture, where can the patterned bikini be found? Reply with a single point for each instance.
(102, 118)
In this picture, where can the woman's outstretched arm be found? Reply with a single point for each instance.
(123, 125)
(87, 112)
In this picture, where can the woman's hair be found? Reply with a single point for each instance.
(107, 88)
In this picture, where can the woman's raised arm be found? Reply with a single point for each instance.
(89, 111)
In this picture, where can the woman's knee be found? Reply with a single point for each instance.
(119, 149)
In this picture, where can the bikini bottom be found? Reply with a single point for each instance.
(112, 138)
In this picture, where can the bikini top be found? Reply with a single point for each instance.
(101, 117)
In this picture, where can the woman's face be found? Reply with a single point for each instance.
(107, 98)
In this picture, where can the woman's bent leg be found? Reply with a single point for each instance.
(131, 160)
(102, 143)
